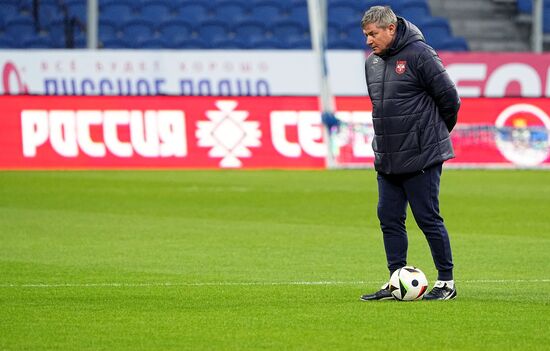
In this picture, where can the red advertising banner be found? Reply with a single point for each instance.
(503, 133)
(159, 132)
(478, 74)
(242, 132)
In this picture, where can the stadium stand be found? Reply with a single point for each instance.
(235, 10)
(56, 32)
(9, 9)
(37, 42)
(49, 13)
(116, 10)
(19, 28)
(268, 11)
(298, 12)
(6, 43)
(136, 30)
(156, 11)
(250, 30)
(174, 31)
(200, 24)
(195, 13)
(213, 30)
(76, 8)
(525, 9)
(491, 25)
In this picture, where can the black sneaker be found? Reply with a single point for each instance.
(441, 291)
(382, 294)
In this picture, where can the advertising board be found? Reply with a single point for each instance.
(248, 73)
(245, 132)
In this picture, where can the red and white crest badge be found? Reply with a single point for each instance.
(400, 67)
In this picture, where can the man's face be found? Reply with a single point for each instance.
(379, 39)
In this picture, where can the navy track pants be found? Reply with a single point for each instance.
(421, 191)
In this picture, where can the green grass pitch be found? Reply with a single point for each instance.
(251, 260)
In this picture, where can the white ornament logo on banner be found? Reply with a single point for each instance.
(228, 134)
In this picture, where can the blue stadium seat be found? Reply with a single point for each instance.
(288, 28)
(235, 10)
(56, 32)
(9, 9)
(349, 3)
(546, 19)
(115, 43)
(107, 28)
(137, 29)
(355, 35)
(6, 43)
(37, 42)
(334, 30)
(298, 2)
(435, 22)
(211, 30)
(172, 4)
(249, 30)
(80, 40)
(267, 11)
(346, 36)
(156, 11)
(525, 6)
(25, 6)
(194, 44)
(79, 32)
(118, 11)
(152, 43)
(353, 22)
(299, 43)
(20, 28)
(230, 43)
(194, 12)
(452, 44)
(414, 10)
(276, 24)
(343, 44)
(365, 5)
(48, 12)
(267, 43)
(436, 30)
(299, 13)
(77, 8)
(343, 12)
(175, 30)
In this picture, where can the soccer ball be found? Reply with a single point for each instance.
(408, 283)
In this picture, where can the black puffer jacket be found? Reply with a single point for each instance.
(415, 104)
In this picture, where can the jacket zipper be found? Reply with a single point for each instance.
(382, 114)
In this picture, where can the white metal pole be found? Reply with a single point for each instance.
(536, 29)
(91, 28)
(317, 12)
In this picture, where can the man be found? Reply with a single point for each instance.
(415, 106)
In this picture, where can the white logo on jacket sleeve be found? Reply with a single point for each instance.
(228, 134)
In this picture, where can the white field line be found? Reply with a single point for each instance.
(191, 284)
